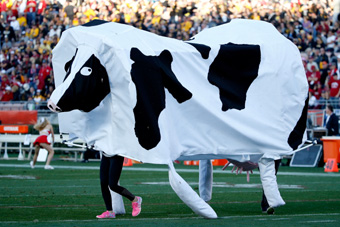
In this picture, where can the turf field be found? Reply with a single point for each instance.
(70, 195)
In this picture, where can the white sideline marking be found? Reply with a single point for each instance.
(18, 177)
(228, 185)
(319, 221)
(274, 219)
(166, 170)
(178, 218)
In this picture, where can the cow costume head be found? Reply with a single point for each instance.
(86, 83)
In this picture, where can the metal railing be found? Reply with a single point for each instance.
(20, 144)
(25, 105)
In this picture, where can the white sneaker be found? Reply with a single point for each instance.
(31, 164)
(48, 167)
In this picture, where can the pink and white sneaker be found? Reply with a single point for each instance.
(107, 214)
(137, 207)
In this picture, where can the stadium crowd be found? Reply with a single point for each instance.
(30, 29)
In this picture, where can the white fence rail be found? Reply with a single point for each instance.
(24, 144)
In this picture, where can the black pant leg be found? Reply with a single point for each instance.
(104, 181)
(116, 165)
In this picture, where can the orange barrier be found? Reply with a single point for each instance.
(196, 162)
(187, 163)
(331, 165)
(331, 146)
(127, 162)
(192, 163)
(215, 162)
(13, 128)
(20, 117)
(219, 162)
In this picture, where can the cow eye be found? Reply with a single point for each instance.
(86, 71)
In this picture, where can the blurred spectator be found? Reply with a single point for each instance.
(40, 12)
(313, 76)
(8, 33)
(6, 45)
(15, 7)
(48, 17)
(54, 30)
(69, 10)
(34, 31)
(334, 90)
(323, 60)
(33, 72)
(312, 102)
(6, 67)
(38, 97)
(333, 69)
(56, 7)
(45, 48)
(322, 57)
(3, 8)
(22, 21)
(4, 82)
(54, 41)
(44, 71)
(8, 95)
(310, 65)
(10, 16)
(317, 90)
(30, 10)
(26, 64)
(14, 23)
(331, 40)
(22, 45)
(324, 99)
(49, 81)
(49, 91)
(17, 88)
(31, 93)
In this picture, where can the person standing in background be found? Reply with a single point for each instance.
(332, 122)
(45, 140)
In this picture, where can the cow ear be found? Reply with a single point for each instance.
(69, 63)
(136, 54)
(165, 56)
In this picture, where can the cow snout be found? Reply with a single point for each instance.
(53, 107)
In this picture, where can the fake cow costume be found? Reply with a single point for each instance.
(235, 91)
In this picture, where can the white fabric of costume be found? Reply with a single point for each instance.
(269, 183)
(197, 128)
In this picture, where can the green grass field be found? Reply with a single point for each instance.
(70, 195)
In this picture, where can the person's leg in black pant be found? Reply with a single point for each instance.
(110, 170)
(116, 166)
(104, 182)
